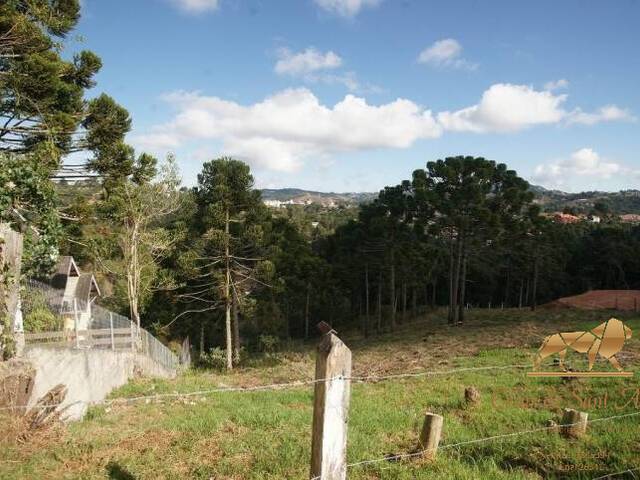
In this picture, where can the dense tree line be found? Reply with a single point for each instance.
(235, 275)
(214, 264)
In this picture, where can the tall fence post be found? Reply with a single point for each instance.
(113, 342)
(76, 321)
(331, 409)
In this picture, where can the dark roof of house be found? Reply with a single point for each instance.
(86, 285)
(86, 281)
(65, 265)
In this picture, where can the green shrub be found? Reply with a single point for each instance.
(268, 343)
(216, 358)
(41, 319)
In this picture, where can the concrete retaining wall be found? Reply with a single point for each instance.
(89, 375)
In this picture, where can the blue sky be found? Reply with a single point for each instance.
(352, 95)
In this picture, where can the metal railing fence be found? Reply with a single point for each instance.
(53, 319)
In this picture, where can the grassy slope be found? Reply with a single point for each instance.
(265, 435)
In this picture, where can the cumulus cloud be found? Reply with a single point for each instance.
(291, 126)
(346, 8)
(506, 107)
(197, 6)
(284, 129)
(582, 163)
(608, 113)
(445, 53)
(556, 85)
(305, 62)
(314, 66)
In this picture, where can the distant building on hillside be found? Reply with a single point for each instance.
(273, 203)
(565, 218)
(80, 290)
(630, 218)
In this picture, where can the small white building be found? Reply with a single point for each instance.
(80, 290)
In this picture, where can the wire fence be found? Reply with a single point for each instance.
(285, 385)
(622, 472)
(53, 318)
(161, 397)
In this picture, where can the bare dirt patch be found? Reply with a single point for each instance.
(622, 300)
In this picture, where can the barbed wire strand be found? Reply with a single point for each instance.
(403, 456)
(277, 386)
(369, 378)
(610, 475)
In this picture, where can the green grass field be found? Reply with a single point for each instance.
(266, 434)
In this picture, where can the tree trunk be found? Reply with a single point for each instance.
(434, 296)
(427, 296)
(521, 291)
(236, 330)
(456, 279)
(366, 294)
(379, 301)
(404, 301)
(534, 289)
(227, 293)
(507, 285)
(201, 339)
(11, 248)
(414, 300)
(392, 287)
(451, 265)
(133, 269)
(306, 311)
(463, 290)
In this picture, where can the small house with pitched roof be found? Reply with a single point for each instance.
(79, 289)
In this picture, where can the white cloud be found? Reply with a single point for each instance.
(306, 62)
(506, 107)
(556, 85)
(585, 163)
(284, 129)
(346, 8)
(347, 79)
(197, 6)
(445, 53)
(313, 66)
(289, 127)
(608, 113)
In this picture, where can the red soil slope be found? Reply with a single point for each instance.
(627, 300)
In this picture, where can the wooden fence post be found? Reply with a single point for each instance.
(113, 342)
(76, 321)
(430, 434)
(331, 409)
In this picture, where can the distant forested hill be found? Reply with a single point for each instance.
(299, 195)
(626, 201)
